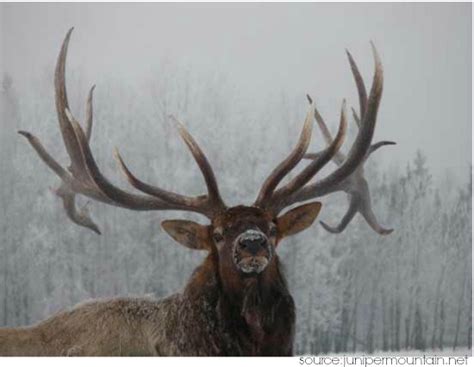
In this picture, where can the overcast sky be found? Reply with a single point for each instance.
(263, 48)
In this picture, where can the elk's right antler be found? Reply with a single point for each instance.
(84, 177)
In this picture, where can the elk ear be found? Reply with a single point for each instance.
(190, 234)
(297, 219)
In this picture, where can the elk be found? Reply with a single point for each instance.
(237, 301)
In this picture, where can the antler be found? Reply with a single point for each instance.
(355, 185)
(84, 177)
(349, 175)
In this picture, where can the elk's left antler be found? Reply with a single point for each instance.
(349, 176)
(355, 186)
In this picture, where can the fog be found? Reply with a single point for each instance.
(265, 49)
(237, 75)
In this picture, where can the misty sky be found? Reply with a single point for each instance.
(266, 48)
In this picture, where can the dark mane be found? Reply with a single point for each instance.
(257, 311)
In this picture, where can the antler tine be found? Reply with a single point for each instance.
(351, 212)
(77, 166)
(203, 163)
(89, 113)
(359, 83)
(64, 191)
(46, 157)
(80, 217)
(338, 157)
(359, 202)
(61, 100)
(212, 202)
(314, 167)
(298, 152)
(148, 189)
(371, 219)
(380, 144)
(356, 117)
(374, 146)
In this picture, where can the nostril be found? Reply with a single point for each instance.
(253, 245)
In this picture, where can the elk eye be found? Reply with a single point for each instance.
(273, 231)
(217, 237)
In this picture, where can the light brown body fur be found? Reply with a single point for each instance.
(111, 328)
(191, 323)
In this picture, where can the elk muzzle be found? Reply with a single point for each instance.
(252, 251)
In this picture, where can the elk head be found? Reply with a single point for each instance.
(243, 237)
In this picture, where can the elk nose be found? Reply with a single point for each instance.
(253, 243)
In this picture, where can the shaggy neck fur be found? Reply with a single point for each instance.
(257, 310)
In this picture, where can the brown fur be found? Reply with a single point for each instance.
(202, 320)
(222, 310)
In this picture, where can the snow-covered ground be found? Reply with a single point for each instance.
(437, 352)
(446, 357)
(447, 352)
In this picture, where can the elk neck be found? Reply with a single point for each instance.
(249, 305)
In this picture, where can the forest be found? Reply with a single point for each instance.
(355, 292)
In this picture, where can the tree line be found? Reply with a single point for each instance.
(356, 291)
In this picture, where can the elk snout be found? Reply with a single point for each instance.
(252, 252)
(252, 241)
